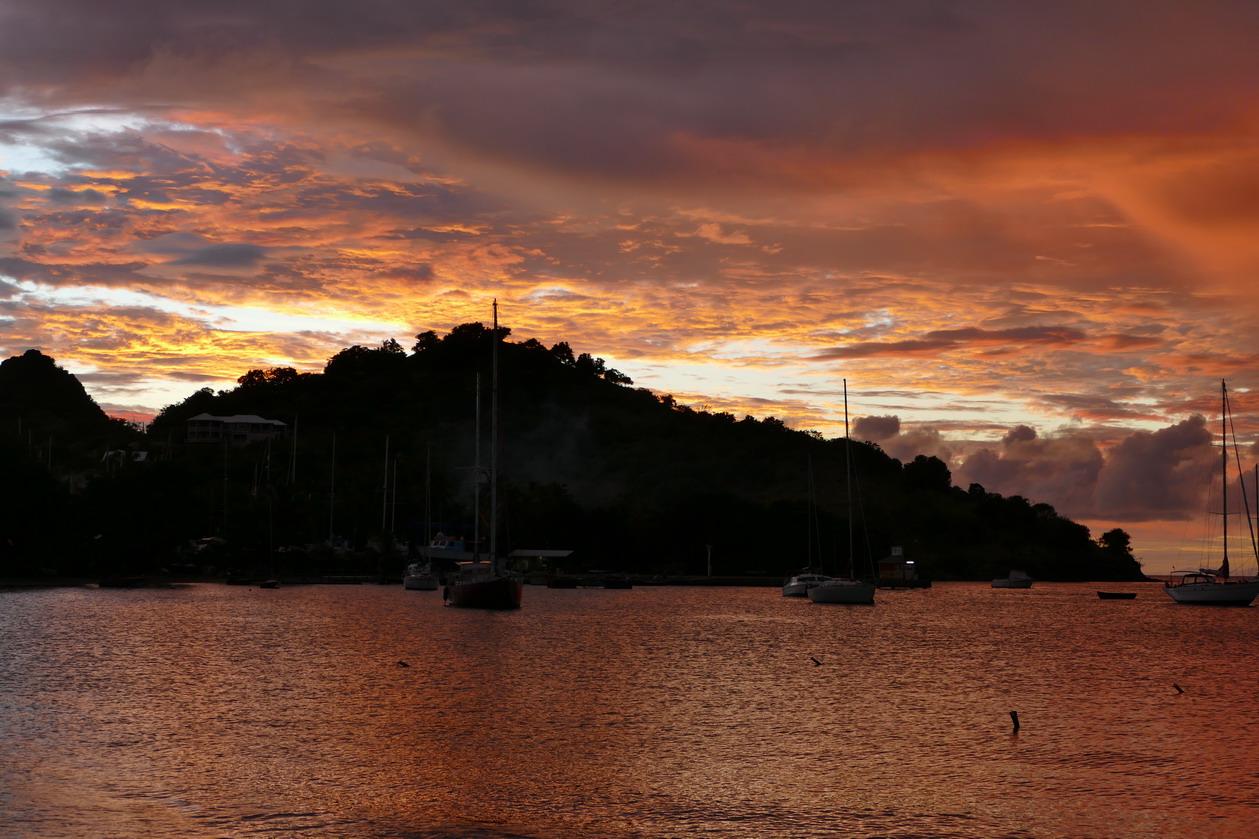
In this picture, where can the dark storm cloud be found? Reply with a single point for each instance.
(873, 349)
(59, 195)
(611, 87)
(80, 221)
(943, 340)
(406, 274)
(53, 274)
(1143, 476)
(225, 256)
(1096, 407)
(1157, 475)
(876, 428)
(1021, 335)
(1061, 471)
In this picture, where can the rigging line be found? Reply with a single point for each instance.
(848, 482)
(865, 527)
(1231, 429)
(813, 531)
(855, 486)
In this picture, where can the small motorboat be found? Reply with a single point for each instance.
(420, 577)
(1117, 595)
(1017, 579)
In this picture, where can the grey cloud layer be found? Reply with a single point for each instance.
(604, 86)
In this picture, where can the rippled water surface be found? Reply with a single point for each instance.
(216, 711)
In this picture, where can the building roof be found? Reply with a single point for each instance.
(252, 419)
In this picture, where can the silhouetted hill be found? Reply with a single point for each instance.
(53, 438)
(629, 479)
(45, 405)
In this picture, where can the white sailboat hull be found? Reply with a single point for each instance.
(1214, 593)
(842, 591)
(420, 577)
(1205, 586)
(799, 585)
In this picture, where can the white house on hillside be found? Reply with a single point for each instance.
(240, 429)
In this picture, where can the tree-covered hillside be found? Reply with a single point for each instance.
(380, 447)
(54, 442)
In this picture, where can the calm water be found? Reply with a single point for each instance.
(215, 711)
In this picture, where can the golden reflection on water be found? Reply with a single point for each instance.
(331, 711)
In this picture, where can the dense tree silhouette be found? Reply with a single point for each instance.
(381, 449)
(54, 441)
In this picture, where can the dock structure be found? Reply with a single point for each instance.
(897, 572)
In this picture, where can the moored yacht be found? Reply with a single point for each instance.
(486, 582)
(799, 585)
(841, 590)
(420, 577)
(1211, 587)
(484, 585)
(848, 589)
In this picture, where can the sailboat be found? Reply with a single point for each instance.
(845, 589)
(1210, 586)
(420, 576)
(485, 582)
(798, 584)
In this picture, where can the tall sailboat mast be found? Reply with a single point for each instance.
(1224, 569)
(846, 589)
(476, 476)
(494, 442)
(488, 585)
(848, 482)
(1214, 585)
(384, 491)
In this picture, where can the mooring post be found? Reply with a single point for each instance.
(1014, 718)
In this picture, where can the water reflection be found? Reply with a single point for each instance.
(653, 712)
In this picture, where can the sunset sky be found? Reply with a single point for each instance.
(1026, 233)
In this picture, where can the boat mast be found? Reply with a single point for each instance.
(384, 491)
(494, 442)
(848, 480)
(332, 490)
(476, 477)
(811, 531)
(428, 496)
(1224, 569)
